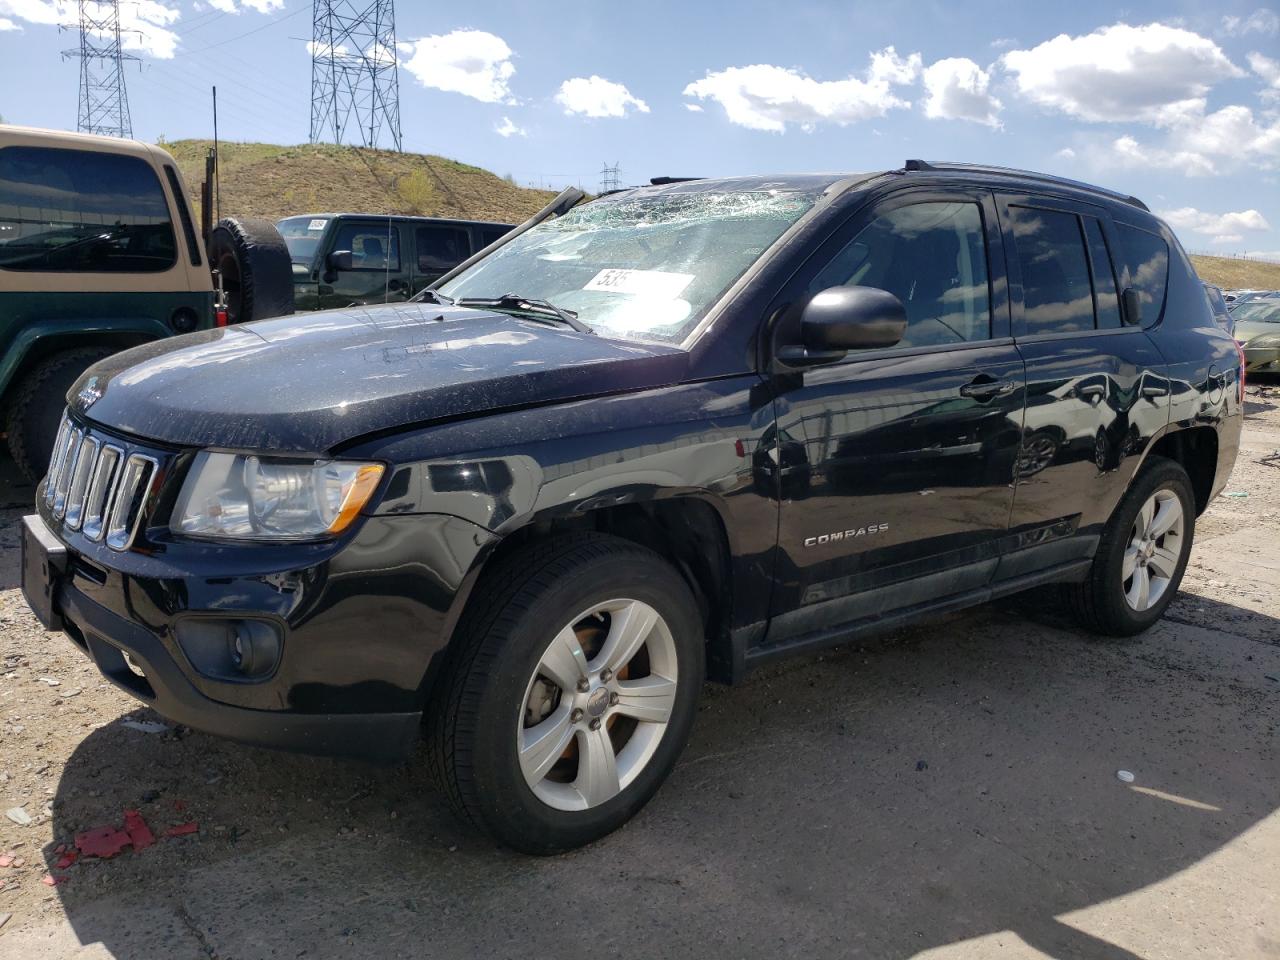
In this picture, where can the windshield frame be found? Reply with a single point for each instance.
(826, 190)
(321, 236)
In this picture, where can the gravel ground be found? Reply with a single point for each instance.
(948, 791)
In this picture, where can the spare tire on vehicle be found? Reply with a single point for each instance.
(256, 272)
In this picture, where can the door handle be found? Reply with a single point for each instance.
(985, 388)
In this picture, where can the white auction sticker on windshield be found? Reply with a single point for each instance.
(316, 225)
(657, 284)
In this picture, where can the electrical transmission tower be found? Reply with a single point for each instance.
(610, 179)
(104, 103)
(355, 89)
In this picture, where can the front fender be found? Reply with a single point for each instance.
(33, 338)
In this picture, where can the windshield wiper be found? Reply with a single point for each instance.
(534, 307)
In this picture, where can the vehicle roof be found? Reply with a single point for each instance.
(991, 176)
(68, 139)
(398, 217)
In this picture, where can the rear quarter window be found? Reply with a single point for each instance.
(77, 211)
(1145, 256)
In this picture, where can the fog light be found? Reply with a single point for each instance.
(230, 649)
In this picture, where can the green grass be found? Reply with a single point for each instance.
(1231, 274)
(274, 181)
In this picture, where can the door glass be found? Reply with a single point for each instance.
(1056, 294)
(372, 246)
(1147, 258)
(441, 248)
(931, 256)
(81, 211)
(490, 234)
(1104, 278)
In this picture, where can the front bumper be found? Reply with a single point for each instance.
(360, 625)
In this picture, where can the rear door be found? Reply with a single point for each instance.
(896, 477)
(438, 248)
(1097, 389)
(378, 272)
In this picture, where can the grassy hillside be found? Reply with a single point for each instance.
(266, 180)
(1232, 274)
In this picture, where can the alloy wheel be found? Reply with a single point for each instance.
(597, 705)
(1155, 547)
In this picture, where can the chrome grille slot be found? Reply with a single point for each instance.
(59, 456)
(100, 487)
(86, 461)
(127, 500)
(62, 482)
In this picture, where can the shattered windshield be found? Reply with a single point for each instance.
(639, 267)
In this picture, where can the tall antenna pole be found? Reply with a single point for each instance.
(104, 102)
(355, 84)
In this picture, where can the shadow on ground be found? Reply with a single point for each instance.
(953, 781)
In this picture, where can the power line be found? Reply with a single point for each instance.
(610, 177)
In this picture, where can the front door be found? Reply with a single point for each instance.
(377, 274)
(910, 450)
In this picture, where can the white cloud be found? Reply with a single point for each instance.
(999, 43)
(1154, 73)
(1227, 238)
(471, 62)
(1066, 153)
(1129, 153)
(7, 24)
(1269, 71)
(1216, 224)
(767, 97)
(957, 89)
(597, 97)
(693, 107)
(507, 128)
(258, 6)
(143, 23)
(1260, 21)
(225, 6)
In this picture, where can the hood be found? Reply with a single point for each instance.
(1246, 330)
(311, 382)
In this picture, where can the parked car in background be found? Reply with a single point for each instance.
(1248, 296)
(99, 252)
(679, 430)
(1257, 328)
(343, 259)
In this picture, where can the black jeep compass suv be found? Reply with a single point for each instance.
(674, 432)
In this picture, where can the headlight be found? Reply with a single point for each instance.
(252, 498)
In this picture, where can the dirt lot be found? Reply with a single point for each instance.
(950, 791)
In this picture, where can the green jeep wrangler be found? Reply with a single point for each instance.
(341, 259)
(99, 252)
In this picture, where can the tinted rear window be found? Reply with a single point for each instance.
(1146, 258)
(82, 212)
(1057, 296)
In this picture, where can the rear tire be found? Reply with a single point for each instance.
(496, 692)
(256, 271)
(1146, 542)
(37, 404)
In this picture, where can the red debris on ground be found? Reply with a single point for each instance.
(102, 842)
(139, 833)
(49, 880)
(182, 829)
(179, 805)
(67, 859)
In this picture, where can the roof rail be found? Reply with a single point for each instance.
(942, 167)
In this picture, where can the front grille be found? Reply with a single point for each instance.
(95, 486)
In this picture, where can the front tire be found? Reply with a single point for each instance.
(1142, 555)
(569, 692)
(37, 404)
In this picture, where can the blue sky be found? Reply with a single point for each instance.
(1178, 103)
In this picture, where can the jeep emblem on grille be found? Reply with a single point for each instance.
(89, 394)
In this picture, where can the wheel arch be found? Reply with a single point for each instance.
(688, 531)
(1195, 449)
(38, 342)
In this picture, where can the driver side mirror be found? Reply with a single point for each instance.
(840, 319)
(338, 260)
